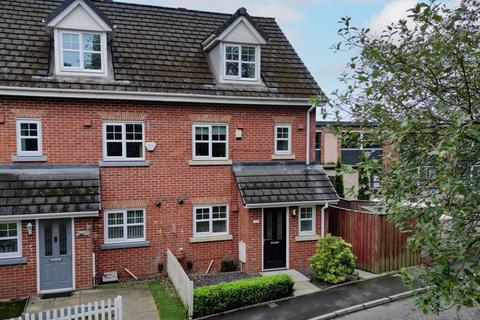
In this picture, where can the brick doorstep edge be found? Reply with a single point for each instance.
(369, 304)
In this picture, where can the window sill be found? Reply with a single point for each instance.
(312, 237)
(11, 261)
(125, 245)
(141, 163)
(210, 162)
(211, 238)
(283, 157)
(29, 158)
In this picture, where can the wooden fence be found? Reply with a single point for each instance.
(103, 310)
(377, 243)
(181, 281)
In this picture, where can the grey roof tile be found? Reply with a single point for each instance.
(36, 189)
(154, 49)
(274, 182)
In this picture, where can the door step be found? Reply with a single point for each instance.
(56, 295)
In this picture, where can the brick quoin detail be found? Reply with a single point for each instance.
(168, 178)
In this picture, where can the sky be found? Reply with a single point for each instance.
(310, 25)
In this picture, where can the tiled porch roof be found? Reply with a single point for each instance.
(48, 189)
(266, 184)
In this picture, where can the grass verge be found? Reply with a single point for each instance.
(12, 309)
(169, 305)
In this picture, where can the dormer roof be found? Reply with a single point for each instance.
(240, 28)
(79, 14)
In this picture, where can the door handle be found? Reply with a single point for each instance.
(55, 259)
(55, 239)
(274, 242)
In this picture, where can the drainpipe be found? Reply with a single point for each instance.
(307, 162)
(323, 219)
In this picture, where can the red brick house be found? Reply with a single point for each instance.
(129, 129)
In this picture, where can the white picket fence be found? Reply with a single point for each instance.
(181, 281)
(99, 310)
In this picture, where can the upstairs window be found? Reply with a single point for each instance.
(210, 142)
(29, 137)
(123, 141)
(240, 62)
(283, 139)
(81, 51)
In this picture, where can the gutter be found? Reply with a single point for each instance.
(285, 204)
(149, 96)
(37, 216)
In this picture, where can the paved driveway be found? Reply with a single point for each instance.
(138, 303)
(404, 310)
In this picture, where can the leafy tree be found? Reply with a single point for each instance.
(338, 179)
(364, 190)
(419, 81)
(334, 260)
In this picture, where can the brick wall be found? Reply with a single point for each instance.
(72, 133)
(20, 280)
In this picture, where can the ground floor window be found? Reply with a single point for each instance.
(307, 221)
(210, 220)
(10, 240)
(124, 225)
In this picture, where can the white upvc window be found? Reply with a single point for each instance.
(210, 220)
(283, 139)
(306, 223)
(29, 137)
(10, 239)
(240, 62)
(123, 141)
(210, 142)
(124, 225)
(81, 51)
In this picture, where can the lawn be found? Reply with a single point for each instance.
(169, 305)
(11, 309)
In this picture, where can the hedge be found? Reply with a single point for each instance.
(231, 295)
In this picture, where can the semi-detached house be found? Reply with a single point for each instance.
(128, 129)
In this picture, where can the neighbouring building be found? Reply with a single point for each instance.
(329, 148)
(128, 129)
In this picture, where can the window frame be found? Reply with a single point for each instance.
(210, 141)
(125, 225)
(239, 77)
(313, 219)
(18, 253)
(39, 137)
(289, 139)
(123, 141)
(210, 220)
(58, 44)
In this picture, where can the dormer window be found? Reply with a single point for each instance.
(82, 51)
(80, 39)
(233, 50)
(240, 62)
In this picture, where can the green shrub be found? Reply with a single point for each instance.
(227, 265)
(231, 295)
(334, 260)
(338, 180)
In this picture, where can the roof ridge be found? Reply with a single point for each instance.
(178, 9)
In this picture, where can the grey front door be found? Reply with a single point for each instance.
(55, 254)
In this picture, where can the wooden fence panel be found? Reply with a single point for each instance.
(377, 243)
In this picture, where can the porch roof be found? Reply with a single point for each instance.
(49, 190)
(269, 184)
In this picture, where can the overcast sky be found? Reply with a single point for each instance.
(310, 25)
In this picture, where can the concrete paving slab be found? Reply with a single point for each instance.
(138, 303)
(297, 276)
(304, 287)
